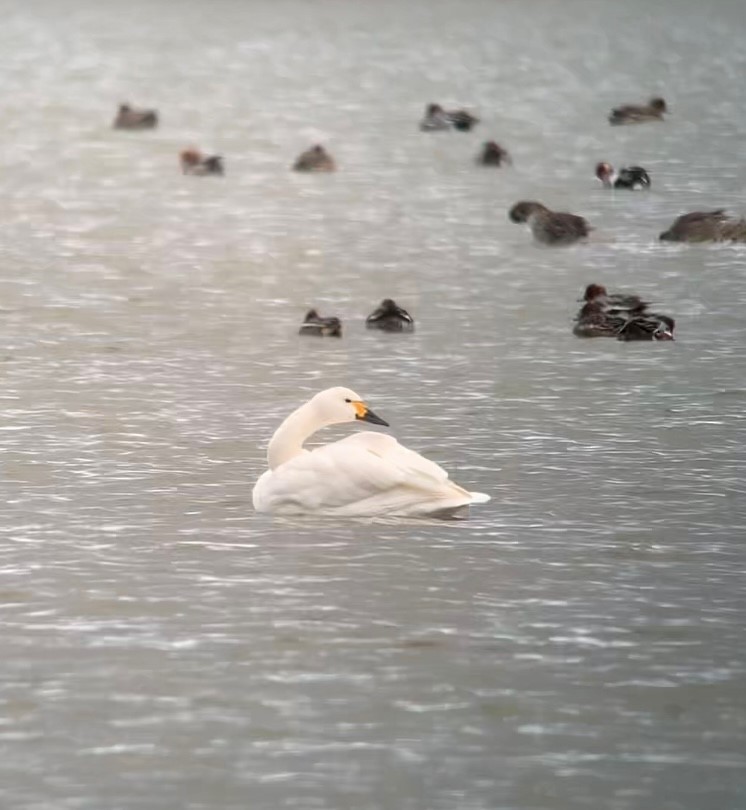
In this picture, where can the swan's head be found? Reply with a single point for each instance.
(339, 404)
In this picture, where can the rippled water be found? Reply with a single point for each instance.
(579, 642)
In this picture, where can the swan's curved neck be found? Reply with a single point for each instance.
(288, 439)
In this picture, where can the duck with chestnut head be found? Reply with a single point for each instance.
(616, 302)
(195, 163)
(621, 315)
(630, 177)
(550, 227)
(492, 154)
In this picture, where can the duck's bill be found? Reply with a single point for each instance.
(364, 414)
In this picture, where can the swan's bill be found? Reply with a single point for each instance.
(364, 414)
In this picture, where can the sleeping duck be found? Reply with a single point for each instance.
(492, 154)
(195, 163)
(315, 159)
(316, 326)
(129, 118)
(550, 227)
(631, 177)
(390, 317)
(705, 226)
(639, 113)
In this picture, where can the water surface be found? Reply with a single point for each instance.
(579, 642)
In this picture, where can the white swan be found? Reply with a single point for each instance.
(364, 474)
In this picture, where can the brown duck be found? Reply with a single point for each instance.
(316, 326)
(550, 227)
(492, 154)
(706, 226)
(639, 113)
(315, 159)
(194, 162)
(129, 118)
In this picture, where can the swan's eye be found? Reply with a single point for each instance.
(347, 400)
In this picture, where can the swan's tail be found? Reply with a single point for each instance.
(479, 497)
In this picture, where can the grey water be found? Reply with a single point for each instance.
(579, 641)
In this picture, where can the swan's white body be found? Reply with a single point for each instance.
(366, 474)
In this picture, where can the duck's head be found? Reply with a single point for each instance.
(604, 171)
(336, 405)
(433, 109)
(658, 104)
(190, 156)
(124, 108)
(594, 291)
(389, 305)
(521, 211)
(311, 315)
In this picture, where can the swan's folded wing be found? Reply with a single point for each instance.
(380, 470)
(364, 474)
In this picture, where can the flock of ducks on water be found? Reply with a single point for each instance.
(371, 474)
(548, 227)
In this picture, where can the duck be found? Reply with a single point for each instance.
(316, 326)
(315, 159)
(492, 154)
(436, 119)
(390, 317)
(195, 163)
(616, 302)
(639, 113)
(631, 177)
(620, 315)
(705, 226)
(129, 118)
(594, 320)
(550, 227)
(366, 474)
